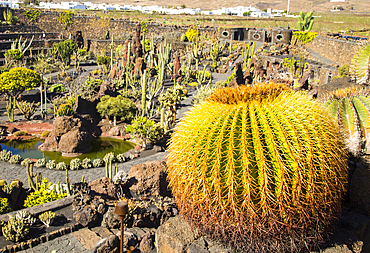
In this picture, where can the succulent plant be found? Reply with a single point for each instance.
(4, 206)
(15, 230)
(40, 163)
(350, 108)
(261, 168)
(75, 164)
(86, 163)
(98, 163)
(5, 155)
(51, 164)
(121, 158)
(360, 65)
(61, 166)
(26, 216)
(47, 218)
(8, 189)
(26, 161)
(15, 159)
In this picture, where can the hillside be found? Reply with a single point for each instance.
(295, 5)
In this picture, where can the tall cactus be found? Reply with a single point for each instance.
(360, 65)
(248, 55)
(351, 109)
(305, 22)
(261, 168)
(215, 51)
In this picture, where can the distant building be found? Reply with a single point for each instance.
(9, 4)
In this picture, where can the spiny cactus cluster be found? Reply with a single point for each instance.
(260, 168)
(360, 65)
(350, 107)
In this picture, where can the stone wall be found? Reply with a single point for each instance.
(94, 29)
(339, 51)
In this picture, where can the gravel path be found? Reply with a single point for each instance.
(9, 172)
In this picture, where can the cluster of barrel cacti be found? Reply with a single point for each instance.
(260, 168)
(350, 108)
(360, 65)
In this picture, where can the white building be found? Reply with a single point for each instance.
(63, 5)
(10, 4)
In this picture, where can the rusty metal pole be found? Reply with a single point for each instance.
(121, 210)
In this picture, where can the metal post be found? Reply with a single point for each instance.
(121, 210)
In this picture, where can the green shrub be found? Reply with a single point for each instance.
(65, 50)
(65, 110)
(145, 129)
(15, 159)
(261, 168)
(4, 206)
(115, 107)
(57, 87)
(20, 133)
(97, 163)
(91, 87)
(14, 54)
(103, 61)
(75, 164)
(45, 133)
(343, 70)
(86, 163)
(40, 163)
(42, 195)
(16, 81)
(66, 18)
(33, 15)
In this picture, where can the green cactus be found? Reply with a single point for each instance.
(215, 51)
(350, 108)
(144, 83)
(31, 175)
(75, 164)
(305, 22)
(261, 168)
(360, 65)
(247, 57)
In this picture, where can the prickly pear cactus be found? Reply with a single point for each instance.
(351, 109)
(360, 65)
(260, 168)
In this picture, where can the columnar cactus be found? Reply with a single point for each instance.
(360, 65)
(260, 168)
(351, 109)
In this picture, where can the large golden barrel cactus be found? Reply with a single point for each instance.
(260, 168)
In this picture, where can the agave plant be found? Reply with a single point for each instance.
(260, 168)
(360, 65)
(350, 107)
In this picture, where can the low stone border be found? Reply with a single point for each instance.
(41, 208)
(44, 238)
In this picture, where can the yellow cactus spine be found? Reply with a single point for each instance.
(260, 168)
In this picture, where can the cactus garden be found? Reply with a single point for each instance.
(214, 137)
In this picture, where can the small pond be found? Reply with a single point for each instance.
(100, 147)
